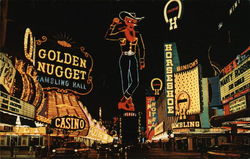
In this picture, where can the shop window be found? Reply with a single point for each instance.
(4, 95)
(8, 140)
(5, 101)
(15, 100)
(2, 142)
(24, 142)
(19, 141)
(4, 106)
(14, 109)
(15, 105)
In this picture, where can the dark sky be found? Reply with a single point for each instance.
(86, 21)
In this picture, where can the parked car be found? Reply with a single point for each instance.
(228, 151)
(117, 149)
(103, 148)
(71, 149)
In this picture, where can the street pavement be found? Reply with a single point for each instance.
(159, 153)
(153, 153)
(21, 154)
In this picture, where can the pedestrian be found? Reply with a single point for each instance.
(12, 147)
(201, 148)
(160, 143)
(31, 146)
(131, 43)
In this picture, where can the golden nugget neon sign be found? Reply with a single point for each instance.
(60, 67)
(63, 58)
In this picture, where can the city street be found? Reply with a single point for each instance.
(153, 153)
(124, 79)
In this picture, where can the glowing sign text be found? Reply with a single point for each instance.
(186, 124)
(67, 122)
(173, 20)
(169, 81)
(58, 70)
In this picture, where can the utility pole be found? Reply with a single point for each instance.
(3, 21)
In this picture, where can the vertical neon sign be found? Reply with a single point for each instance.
(171, 62)
(149, 121)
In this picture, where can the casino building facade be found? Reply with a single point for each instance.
(35, 108)
(207, 111)
(194, 110)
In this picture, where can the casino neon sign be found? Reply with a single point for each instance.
(68, 122)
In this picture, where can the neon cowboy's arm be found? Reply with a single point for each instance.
(142, 47)
(112, 34)
(141, 52)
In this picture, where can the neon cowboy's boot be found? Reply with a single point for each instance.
(122, 103)
(130, 104)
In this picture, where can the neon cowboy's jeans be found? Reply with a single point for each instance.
(129, 74)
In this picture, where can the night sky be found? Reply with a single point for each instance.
(86, 21)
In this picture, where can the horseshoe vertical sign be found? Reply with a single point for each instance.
(172, 12)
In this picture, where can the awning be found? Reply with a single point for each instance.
(217, 121)
(28, 122)
(9, 118)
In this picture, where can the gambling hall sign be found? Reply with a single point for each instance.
(60, 64)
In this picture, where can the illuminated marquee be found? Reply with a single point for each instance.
(159, 128)
(15, 105)
(158, 84)
(60, 65)
(20, 81)
(7, 72)
(68, 122)
(187, 92)
(238, 104)
(169, 11)
(236, 79)
(187, 96)
(97, 134)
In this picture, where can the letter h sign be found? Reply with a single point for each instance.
(172, 23)
(173, 20)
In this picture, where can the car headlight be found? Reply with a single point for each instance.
(76, 150)
(54, 150)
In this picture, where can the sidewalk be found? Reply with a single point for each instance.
(175, 154)
(20, 154)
